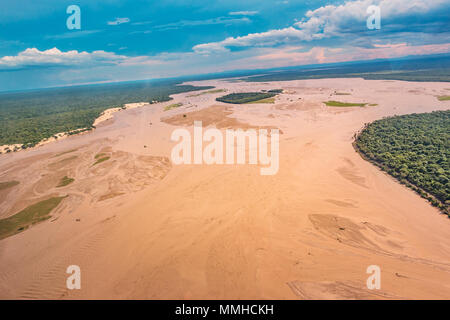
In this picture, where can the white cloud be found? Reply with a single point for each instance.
(332, 21)
(243, 13)
(263, 39)
(56, 57)
(193, 23)
(118, 21)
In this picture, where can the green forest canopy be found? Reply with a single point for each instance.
(29, 117)
(415, 149)
(245, 97)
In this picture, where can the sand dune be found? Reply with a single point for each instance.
(140, 227)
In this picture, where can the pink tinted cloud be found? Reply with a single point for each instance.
(403, 49)
(292, 55)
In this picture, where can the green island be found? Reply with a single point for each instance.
(8, 184)
(414, 149)
(333, 103)
(246, 97)
(30, 116)
(31, 215)
(65, 181)
(443, 98)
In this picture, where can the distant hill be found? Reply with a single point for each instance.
(432, 68)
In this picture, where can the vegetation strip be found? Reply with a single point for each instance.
(207, 92)
(99, 155)
(65, 152)
(8, 184)
(65, 181)
(31, 215)
(333, 103)
(100, 160)
(172, 106)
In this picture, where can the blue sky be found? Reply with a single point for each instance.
(140, 39)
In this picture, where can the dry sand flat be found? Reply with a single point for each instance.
(141, 228)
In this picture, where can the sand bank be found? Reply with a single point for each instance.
(140, 227)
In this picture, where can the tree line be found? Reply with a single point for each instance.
(415, 149)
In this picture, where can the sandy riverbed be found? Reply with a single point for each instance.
(141, 227)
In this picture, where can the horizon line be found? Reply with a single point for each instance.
(216, 75)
